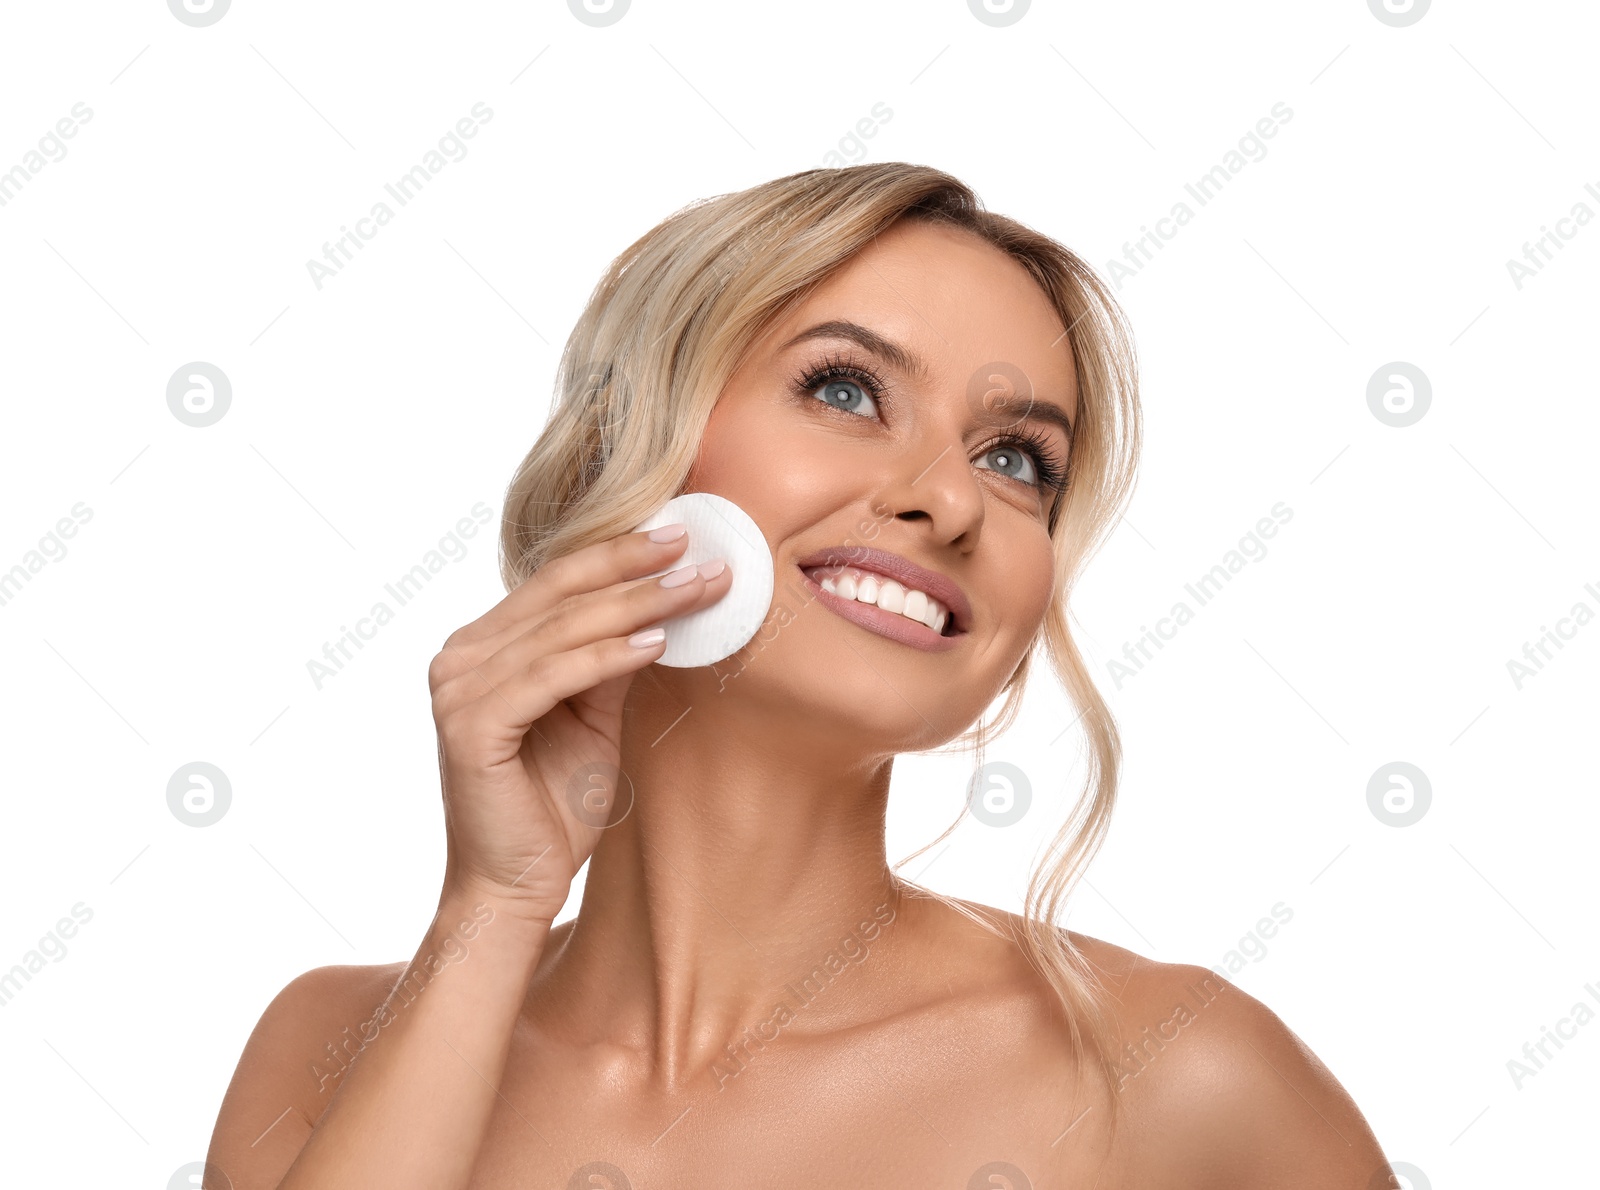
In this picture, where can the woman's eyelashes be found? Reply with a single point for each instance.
(1029, 457)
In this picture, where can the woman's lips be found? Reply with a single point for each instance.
(903, 571)
(890, 624)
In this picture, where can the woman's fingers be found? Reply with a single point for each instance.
(616, 613)
(602, 564)
(492, 723)
(612, 615)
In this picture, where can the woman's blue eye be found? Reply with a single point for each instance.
(843, 394)
(1014, 459)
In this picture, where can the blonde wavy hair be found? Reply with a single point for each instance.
(668, 325)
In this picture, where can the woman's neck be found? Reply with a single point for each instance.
(740, 893)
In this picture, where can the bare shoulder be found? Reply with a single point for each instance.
(291, 1066)
(1218, 1090)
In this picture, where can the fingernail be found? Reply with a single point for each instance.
(650, 636)
(713, 568)
(667, 533)
(678, 577)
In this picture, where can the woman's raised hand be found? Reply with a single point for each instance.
(528, 700)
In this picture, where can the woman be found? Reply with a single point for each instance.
(749, 996)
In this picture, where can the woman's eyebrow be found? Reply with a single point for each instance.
(912, 364)
(904, 360)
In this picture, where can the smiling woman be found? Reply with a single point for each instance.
(830, 350)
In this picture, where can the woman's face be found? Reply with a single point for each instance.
(868, 417)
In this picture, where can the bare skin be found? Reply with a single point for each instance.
(517, 1052)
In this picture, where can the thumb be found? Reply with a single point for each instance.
(600, 706)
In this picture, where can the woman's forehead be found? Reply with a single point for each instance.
(946, 291)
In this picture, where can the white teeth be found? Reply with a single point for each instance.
(886, 593)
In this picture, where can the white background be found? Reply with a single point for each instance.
(369, 416)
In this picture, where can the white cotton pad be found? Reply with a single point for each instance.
(718, 528)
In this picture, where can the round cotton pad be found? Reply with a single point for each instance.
(718, 528)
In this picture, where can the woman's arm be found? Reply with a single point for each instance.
(338, 1087)
(528, 701)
